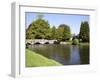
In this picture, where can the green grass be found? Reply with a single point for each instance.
(36, 60)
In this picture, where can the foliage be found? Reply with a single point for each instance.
(39, 29)
(84, 32)
(35, 60)
(53, 32)
(64, 32)
(75, 42)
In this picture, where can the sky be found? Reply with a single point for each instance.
(71, 20)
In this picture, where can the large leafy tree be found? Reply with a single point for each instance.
(84, 31)
(38, 29)
(64, 32)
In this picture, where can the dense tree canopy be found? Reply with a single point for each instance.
(64, 32)
(84, 32)
(40, 29)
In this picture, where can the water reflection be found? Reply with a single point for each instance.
(74, 55)
(65, 54)
(84, 54)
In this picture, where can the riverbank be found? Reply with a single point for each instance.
(84, 43)
(36, 60)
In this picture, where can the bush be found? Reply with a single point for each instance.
(75, 42)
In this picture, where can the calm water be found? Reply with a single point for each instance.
(65, 54)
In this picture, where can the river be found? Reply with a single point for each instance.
(65, 54)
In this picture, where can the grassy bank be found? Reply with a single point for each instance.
(36, 60)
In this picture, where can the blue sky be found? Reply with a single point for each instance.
(72, 20)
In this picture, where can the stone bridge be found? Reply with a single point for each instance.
(39, 41)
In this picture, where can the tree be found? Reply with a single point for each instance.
(84, 32)
(29, 32)
(64, 32)
(75, 36)
(38, 29)
(53, 32)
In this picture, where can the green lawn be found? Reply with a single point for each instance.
(36, 60)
